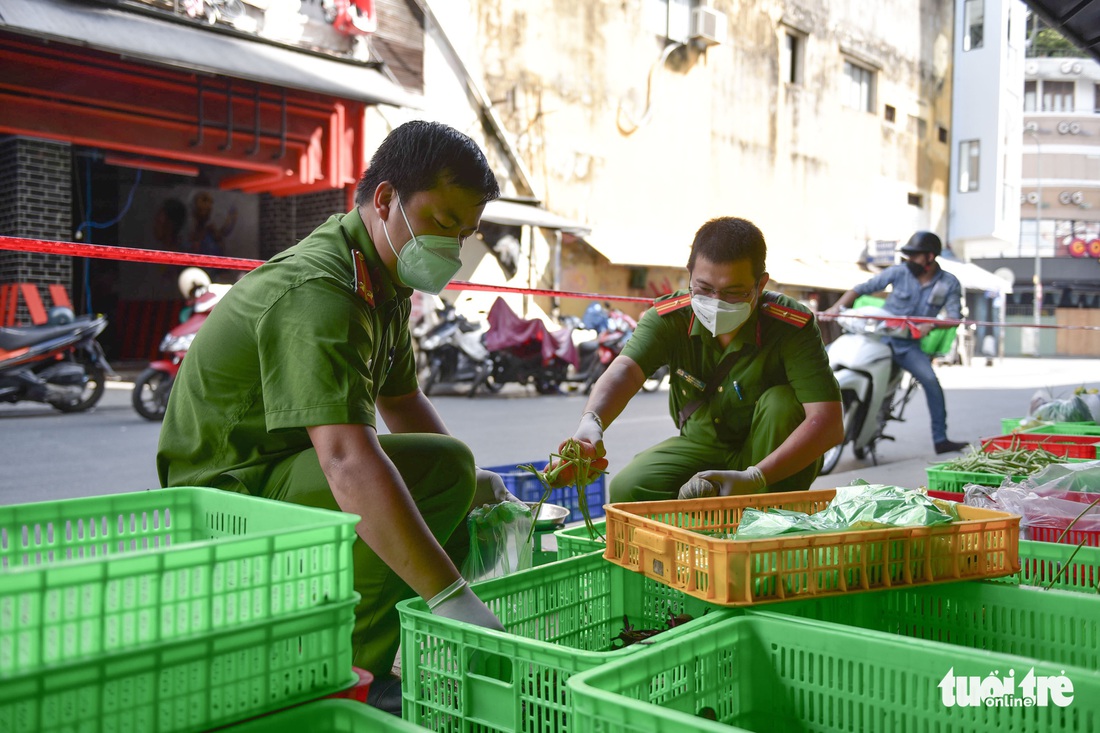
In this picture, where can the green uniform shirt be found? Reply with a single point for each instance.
(293, 344)
(772, 352)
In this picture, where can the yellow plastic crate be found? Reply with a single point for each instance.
(663, 540)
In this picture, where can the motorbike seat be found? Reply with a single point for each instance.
(18, 337)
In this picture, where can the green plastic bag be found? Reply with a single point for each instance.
(500, 540)
(860, 506)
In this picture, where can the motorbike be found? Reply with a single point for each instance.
(873, 389)
(154, 384)
(525, 352)
(452, 351)
(595, 355)
(59, 363)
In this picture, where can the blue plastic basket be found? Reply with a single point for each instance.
(527, 488)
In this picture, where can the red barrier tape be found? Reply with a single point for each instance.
(131, 254)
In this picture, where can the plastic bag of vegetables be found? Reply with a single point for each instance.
(500, 540)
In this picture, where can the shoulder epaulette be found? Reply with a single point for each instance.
(664, 307)
(363, 285)
(787, 315)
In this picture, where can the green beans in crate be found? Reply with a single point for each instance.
(770, 674)
(560, 619)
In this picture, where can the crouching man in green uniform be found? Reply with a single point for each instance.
(280, 392)
(750, 385)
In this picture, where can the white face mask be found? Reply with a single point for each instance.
(718, 316)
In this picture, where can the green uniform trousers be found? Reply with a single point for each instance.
(439, 472)
(656, 474)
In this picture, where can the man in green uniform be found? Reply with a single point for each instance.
(280, 392)
(750, 385)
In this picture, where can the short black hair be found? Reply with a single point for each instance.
(420, 155)
(727, 239)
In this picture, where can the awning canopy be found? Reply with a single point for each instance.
(816, 274)
(169, 43)
(972, 277)
(515, 213)
(1077, 20)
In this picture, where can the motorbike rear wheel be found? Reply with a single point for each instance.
(150, 396)
(434, 370)
(849, 410)
(655, 380)
(92, 392)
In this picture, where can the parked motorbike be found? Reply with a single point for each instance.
(525, 352)
(154, 384)
(595, 355)
(452, 352)
(59, 363)
(873, 389)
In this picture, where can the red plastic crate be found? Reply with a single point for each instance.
(948, 495)
(1069, 446)
(1090, 538)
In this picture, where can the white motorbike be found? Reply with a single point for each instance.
(873, 389)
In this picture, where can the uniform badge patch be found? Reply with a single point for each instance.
(363, 286)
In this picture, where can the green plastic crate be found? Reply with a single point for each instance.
(1066, 428)
(771, 674)
(191, 684)
(1060, 566)
(328, 716)
(573, 541)
(941, 479)
(83, 578)
(561, 619)
(1055, 626)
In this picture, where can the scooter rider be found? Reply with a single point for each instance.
(303, 355)
(750, 385)
(919, 287)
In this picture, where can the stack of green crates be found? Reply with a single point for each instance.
(772, 674)
(872, 661)
(170, 610)
(560, 619)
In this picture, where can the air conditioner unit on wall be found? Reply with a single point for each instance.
(1032, 197)
(708, 26)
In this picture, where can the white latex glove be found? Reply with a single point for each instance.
(459, 603)
(724, 483)
(491, 489)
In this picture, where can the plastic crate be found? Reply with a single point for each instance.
(944, 480)
(1070, 446)
(527, 488)
(1055, 626)
(327, 716)
(1086, 537)
(664, 541)
(191, 684)
(1059, 566)
(82, 578)
(573, 541)
(770, 674)
(1066, 428)
(561, 619)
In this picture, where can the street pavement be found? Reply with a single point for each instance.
(45, 455)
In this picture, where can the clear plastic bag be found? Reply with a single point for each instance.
(500, 540)
(1052, 498)
(1071, 409)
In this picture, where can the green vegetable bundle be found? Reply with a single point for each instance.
(1004, 462)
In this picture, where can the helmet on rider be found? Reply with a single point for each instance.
(60, 315)
(193, 281)
(923, 242)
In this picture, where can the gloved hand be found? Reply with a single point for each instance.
(459, 603)
(724, 483)
(589, 436)
(491, 489)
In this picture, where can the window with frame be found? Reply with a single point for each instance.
(969, 165)
(1057, 96)
(1031, 93)
(859, 87)
(973, 24)
(790, 61)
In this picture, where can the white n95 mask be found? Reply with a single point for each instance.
(718, 316)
